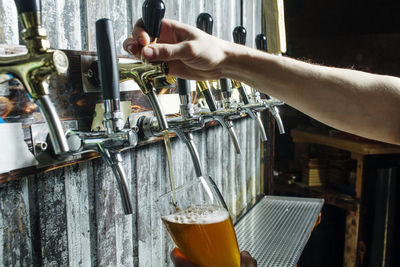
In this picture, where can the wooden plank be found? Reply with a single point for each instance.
(70, 27)
(258, 154)
(226, 15)
(9, 33)
(268, 153)
(273, 25)
(63, 23)
(350, 257)
(144, 172)
(190, 10)
(251, 20)
(351, 238)
(50, 22)
(173, 9)
(119, 17)
(252, 142)
(134, 198)
(77, 210)
(359, 147)
(95, 10)
(136, 11)
(230, 177)
(15, 232)
(105, 198)
(53, 228)
(243, 129)
(158, 185)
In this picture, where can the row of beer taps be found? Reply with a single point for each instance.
(35, 68)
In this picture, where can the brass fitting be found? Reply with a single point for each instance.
(144, 74)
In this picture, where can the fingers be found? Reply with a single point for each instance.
(171, 32)
(166, 52)
(246, 260)
(131, 46)
(179, 259)
(137, 41)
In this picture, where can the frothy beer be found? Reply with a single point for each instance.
(205, 235)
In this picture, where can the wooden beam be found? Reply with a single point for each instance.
(273, 25)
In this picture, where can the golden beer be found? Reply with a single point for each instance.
(205, 235)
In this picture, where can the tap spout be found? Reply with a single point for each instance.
(114, 160)
(35, 68)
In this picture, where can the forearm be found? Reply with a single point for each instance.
(357, 102)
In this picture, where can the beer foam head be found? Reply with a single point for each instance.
(198, 215)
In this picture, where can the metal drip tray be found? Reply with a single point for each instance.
(276, 229)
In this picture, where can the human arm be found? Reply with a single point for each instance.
(353, 101)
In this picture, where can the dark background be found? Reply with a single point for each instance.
(358, 34)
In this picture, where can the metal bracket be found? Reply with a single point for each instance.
(88, 87)
(39, 133)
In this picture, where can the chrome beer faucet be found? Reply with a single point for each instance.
(115, 138)
(272, 103)
(205, 22)
(185, 133)
(183, 126)
(149, 77)
(35, 69)
(239, 37)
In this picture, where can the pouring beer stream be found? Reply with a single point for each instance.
(153, 12)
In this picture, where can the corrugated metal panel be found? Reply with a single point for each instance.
(63, 23)
(8, 23)
(252, 20)
(79, 213)
(77, 181)
(73, 216)
(15, 230)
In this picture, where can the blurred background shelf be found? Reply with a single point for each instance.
(331, 196)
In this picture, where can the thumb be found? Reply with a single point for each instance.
(165, 52)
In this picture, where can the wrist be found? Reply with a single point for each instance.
(235, 55)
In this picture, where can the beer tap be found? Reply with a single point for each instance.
(239, 37)
(187, 112)
(35, 68)
(183, 126)
(149, 77)
(205, 22)
(261, 44)
(115, 138)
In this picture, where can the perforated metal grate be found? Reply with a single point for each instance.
(276, 229)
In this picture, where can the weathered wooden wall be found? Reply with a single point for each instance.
(73, 215)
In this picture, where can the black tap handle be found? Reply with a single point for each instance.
(239, 35)
(225, 86)
(244, 96)
(261, 42)
(205, 22)
(210, 100)
(27, 5)
(183, 87)
(153, 12)
(107, 56)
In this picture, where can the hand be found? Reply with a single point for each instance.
(190, 52)
(180, 260)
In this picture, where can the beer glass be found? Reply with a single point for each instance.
(198, 221)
